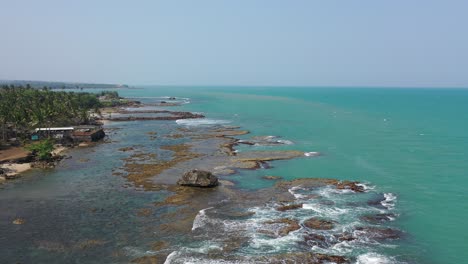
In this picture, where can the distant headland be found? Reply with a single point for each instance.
(62, 85)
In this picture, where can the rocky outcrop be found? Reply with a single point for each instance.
(171, 115)
(319, 182)
(198, 178)
(270, 177)
(288, 207)
(379, 233)
(316, 240)
(319, 224)
(305, 257)
(377, 218)
(288, 225)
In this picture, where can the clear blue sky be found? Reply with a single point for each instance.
(237, 42)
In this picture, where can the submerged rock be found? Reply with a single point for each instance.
(346, 236)
(320, 182)
(270, 177)
(377, 200)
(316, 240)
(288, 225)
(377, 218)
(319, 224)
(306, 258)
(379, 233)
(198, 178)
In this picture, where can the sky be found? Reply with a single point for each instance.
(391, 43)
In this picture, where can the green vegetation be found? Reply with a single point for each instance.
(23, 108)
(110, 98)
(42, 149)
(109, 95)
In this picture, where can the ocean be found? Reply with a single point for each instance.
(408, 144)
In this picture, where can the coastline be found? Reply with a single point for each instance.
(13, 169)
(193, 213)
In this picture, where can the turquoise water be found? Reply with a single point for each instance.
(408, 142)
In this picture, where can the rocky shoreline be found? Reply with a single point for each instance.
(213, 150)
(190, 157)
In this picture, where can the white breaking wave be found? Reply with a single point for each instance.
(366, 187)
(373, 258)
(171, 257)
(296, 195)
(312, 154)
(389, 201)
(285, 141)
(200, 219)
(201, 122)
(325, 210)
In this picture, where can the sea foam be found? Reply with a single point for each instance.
(201, 122)
(389, 201)
(373, 258)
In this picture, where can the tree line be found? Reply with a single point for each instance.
(23, 108)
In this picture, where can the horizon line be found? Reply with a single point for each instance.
(246, 85)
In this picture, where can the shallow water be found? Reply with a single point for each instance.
(410, 143)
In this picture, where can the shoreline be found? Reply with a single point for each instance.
(198, 214)
(14, 169)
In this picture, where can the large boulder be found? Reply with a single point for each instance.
(198, 178)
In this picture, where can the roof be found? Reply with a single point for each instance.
(54, 128)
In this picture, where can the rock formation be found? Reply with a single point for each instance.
(198, 178)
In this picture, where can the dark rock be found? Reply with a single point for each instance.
(349, 185)
(316, 240)
(377, 218)
(319, 182)
(289, 207)
(172, 115)
(163, 102)
(377, 200)
(290, 225)
(172, 98)
(198, 178)
(2, 171)
(269, 177)
(304, 257)
(345, 237)
(319, 224)
(378, 233)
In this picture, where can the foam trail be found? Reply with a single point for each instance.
(201, 122)
(373, 258)
(200, 219)
(366, 187)
(311, 154)
(170, 257)
(296, 195)
(285, 142)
